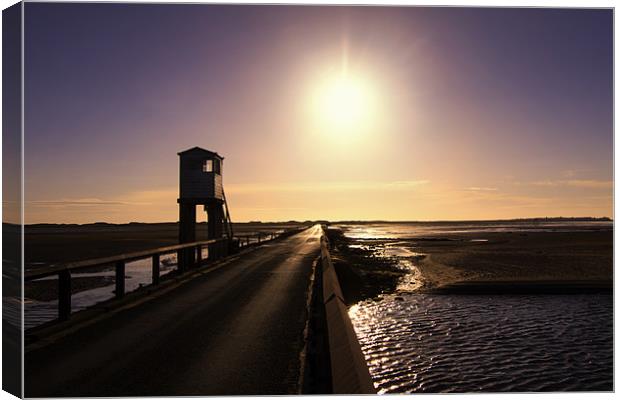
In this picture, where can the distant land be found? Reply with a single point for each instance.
(465, 221)
(520, 220)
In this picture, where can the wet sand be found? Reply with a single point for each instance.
(531, 262)
(480, 262)
(361, 273)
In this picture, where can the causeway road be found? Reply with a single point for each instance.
(236, 330)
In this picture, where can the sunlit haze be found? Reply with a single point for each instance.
(343, 106)
(335, 113)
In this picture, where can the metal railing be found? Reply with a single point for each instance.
(258, 237)
(188, 255)
(263, 236)
(349, 371)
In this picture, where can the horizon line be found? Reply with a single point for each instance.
(560, 218)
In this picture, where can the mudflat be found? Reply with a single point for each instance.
(571, 260)
(527, 260)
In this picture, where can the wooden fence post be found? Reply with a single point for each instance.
(155, 278)
(211, 251)
(120, 279)
(180, 261)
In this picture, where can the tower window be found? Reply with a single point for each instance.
(207, 166)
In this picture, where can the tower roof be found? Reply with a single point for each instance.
(199, 150)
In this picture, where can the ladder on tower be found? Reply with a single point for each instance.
(227, 220)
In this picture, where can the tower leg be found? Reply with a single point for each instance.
(215, 214)
(187, 223)
(187, 234)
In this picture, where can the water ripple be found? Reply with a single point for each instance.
(525, 343)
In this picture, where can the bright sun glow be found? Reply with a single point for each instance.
(343, 105)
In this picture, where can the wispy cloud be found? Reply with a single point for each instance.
(236, 188)
(76, 202)
(406, 184)
(271, 209)
(481, 189)
(88, 202)
(579, 183)
(573, 173)
(498, 198)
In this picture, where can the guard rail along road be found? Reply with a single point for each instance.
(217, 249)
(349, 371)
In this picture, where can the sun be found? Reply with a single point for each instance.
(343, 105)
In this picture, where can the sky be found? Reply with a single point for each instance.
(339, 113)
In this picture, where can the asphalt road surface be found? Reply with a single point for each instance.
(236, 330)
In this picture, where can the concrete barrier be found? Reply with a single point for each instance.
(349, 370)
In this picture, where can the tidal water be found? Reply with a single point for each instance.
(420, 229)
(443, 343)
(431, 343)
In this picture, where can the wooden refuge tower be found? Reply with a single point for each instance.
(201, 184)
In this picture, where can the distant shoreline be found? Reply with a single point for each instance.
(359, 222)
(534, 219)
